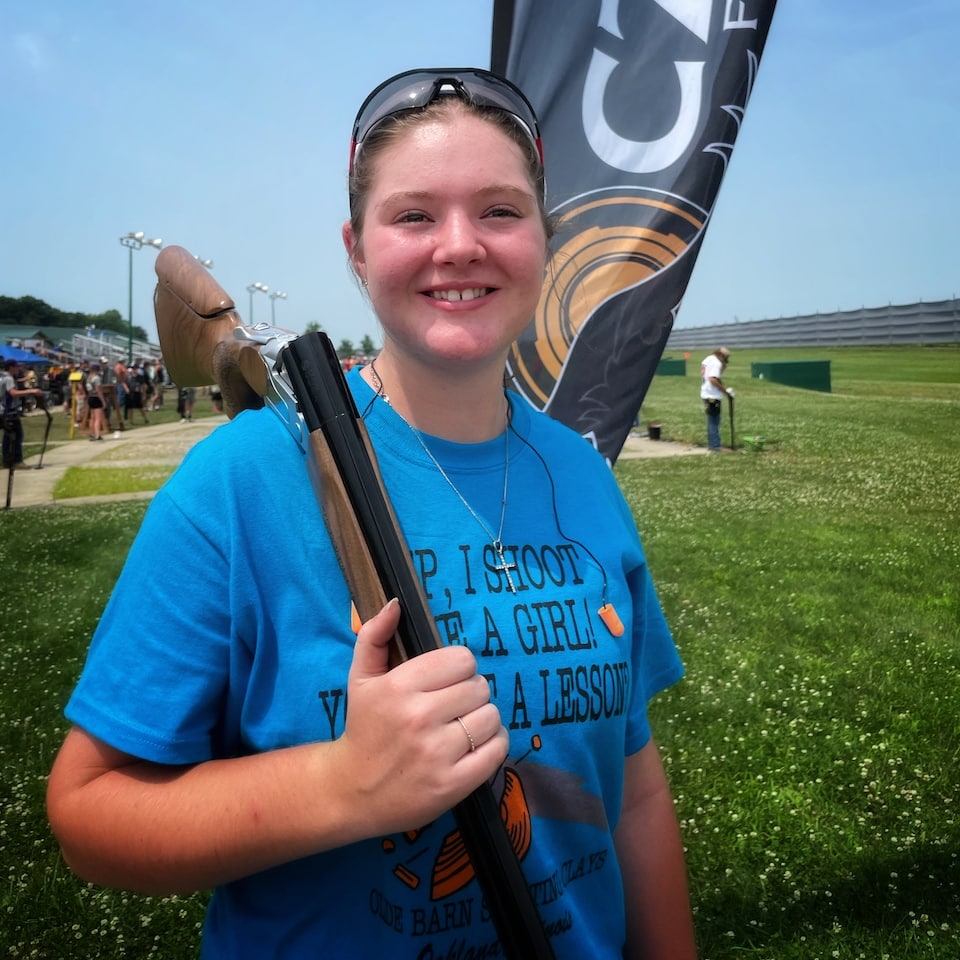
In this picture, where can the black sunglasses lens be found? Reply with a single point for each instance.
(413, 90)
(390, 99)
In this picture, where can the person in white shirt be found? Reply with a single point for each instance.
(712, 392)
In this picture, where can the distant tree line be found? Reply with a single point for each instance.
(31, 312)
(346, 349)
(34, 313)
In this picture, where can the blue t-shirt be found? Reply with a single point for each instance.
(244, 644)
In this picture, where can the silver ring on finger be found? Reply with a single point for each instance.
(473, 745)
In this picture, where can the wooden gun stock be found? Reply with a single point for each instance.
(195, 323)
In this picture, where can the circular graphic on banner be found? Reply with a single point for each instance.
(611, 242)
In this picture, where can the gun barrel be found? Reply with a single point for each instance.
(330, 413)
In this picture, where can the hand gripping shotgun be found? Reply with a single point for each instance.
(301, 379)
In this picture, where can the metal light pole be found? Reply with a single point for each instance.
(134, 241)
(252, 288)
(274, 297)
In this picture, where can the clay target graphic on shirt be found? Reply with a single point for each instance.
(526, 789)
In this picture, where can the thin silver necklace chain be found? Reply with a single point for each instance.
(504, 566)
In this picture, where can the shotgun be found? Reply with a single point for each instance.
(301, 379)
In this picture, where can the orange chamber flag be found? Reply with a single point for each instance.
(640, 103)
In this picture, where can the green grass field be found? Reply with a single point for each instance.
(814, 591)
(814, 746)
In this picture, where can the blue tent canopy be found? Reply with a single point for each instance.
(23, 356)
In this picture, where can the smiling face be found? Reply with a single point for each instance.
(453, 246)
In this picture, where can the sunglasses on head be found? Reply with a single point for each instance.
(414, 89)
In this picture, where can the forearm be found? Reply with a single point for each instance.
(401, 761)
(650, 851)
(161, 830)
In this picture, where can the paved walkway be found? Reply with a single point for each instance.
(167, 443)
(153, 445)
(636, 447)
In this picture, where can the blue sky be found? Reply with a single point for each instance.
(223, 127)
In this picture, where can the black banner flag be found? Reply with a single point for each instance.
(640, 103)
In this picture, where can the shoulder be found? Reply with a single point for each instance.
(250, 437)
(544, 426)
(561, 448)
(248, 457)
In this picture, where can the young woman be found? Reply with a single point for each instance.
(95, 401)
(250, 742)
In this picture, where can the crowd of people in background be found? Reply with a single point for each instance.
(101, 397)
(104, 397)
